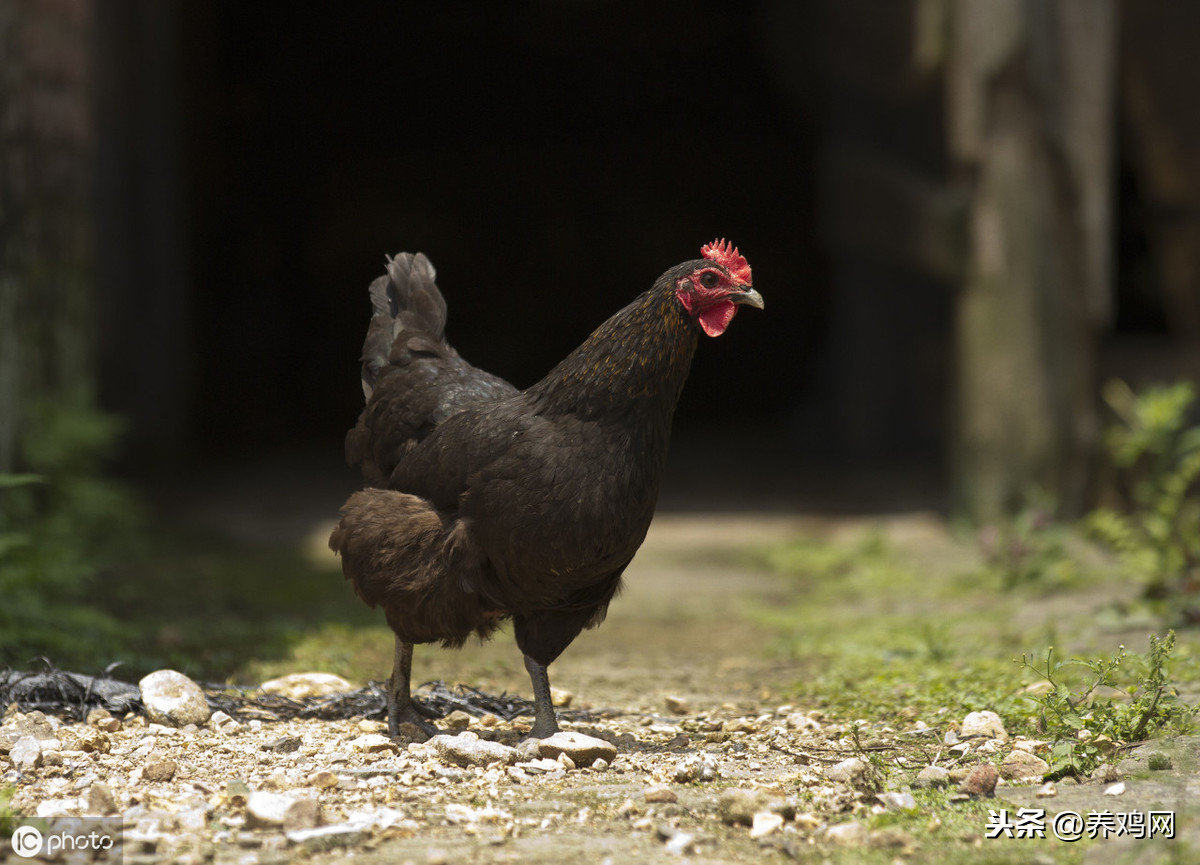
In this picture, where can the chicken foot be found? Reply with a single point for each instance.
(545, 723)
(401, 707)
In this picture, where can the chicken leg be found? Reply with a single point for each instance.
(401, 707)
(545, 724)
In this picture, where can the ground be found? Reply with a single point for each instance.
(711, 653)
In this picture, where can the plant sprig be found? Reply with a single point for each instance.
(1120, 699)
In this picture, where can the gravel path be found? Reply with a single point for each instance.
(700, 758)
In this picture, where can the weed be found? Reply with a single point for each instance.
(1029, 550)
(1156, 454)
(1094, 705)
(62, 525)
(8, 817)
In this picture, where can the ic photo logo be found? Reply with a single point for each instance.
(27, 841)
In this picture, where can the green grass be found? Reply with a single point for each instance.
(220, 611)
(887, 631)
(8, 817)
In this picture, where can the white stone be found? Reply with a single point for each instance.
(852, 771)
(583, 750)
(26, 754)
(677, 705)
(985, 723)
(302, 686)
(173, 699)
(697, 767)
(539, 766)
(460, 814)
(371, 743)
(932, 776)
(1024, 766)
(894, 801)
(325, 837)
(264, 808)
(765, 822)
(467, 749)
(192, 819)
(1033, 746)
(58, 807)
(678, 844)
(802, 722)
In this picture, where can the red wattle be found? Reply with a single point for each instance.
(716, 318)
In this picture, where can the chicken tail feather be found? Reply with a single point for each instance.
(405, 301)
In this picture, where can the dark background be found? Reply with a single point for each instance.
(256, 161)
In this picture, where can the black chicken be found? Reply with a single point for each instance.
(485, 503)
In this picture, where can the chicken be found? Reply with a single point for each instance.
(484, 503)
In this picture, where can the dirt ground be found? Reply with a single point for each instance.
(676, 631)
(690, 678)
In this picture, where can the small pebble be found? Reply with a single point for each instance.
(697, 767)
(981, 781)
(932, 776)
(159, 771)
(660, 793)
(849, 834)
(101, 799)
(853, 772)
(324, 780)
(302, 686)
(738, 805)
(1047, 790)
(264, 809)
(26, 754)
(764, 823)
(374, 743)
(986, 724)
(467, 749)
(302, 814)
(677, 705)
(802, 722)
(171, 698)
(560, 699)
(1023, 766)
(583, 750)
(679, 843)
(283, 745)
(894, 801)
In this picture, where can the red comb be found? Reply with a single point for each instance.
(725, 254)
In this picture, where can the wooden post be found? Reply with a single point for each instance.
(1029, 108)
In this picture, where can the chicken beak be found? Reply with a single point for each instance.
(750, 297)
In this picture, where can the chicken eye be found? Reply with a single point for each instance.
(708, 279)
